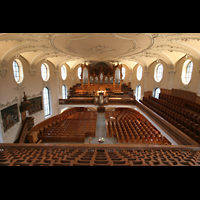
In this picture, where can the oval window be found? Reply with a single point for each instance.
(18, 71)
(158, 73)
(45, 72)
(63, 72)
(187, 72)
(139, 73)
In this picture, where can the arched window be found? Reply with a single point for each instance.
(187, 71)
(64, 92)
(45, 72)
(79, 72)
(138, 92)
(139, 73)
(123, 72)
(63, 72)
(156, 93)
(18, 71)
(158, 73)
(46, 100)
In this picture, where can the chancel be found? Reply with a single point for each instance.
(99, 99)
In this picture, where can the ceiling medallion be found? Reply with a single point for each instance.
(101, 49)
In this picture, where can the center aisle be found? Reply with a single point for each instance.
(101, 126)
(101, 131)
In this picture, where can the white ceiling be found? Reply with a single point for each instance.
(128, 48)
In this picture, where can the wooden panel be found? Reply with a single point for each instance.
(184, 94)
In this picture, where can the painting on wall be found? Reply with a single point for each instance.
(10, 116)
(36, 105)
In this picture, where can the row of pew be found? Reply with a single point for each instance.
(186, 121)
(117, 156)
(181, 102)
(129, 126)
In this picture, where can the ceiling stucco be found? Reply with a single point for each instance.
(127, 48)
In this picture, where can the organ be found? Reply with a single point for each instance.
(101, 77)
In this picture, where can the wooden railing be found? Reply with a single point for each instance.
(98, 155)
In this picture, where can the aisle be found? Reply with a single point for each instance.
(101, 131)
(101, 126)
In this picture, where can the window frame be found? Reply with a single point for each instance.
(18, 71)
(46, 102)
(138, 95)
(64, 90)
(139, 73)
(186, 75)
(157, 73)
(79, 75)
(47, 72)
(123, 73)
(155, 93)
(63, 71)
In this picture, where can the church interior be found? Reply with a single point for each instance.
(100, 99)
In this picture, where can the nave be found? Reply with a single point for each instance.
(115, 125)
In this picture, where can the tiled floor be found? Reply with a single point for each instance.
(101, 131)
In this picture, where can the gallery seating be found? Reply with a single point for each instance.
(129, 126)
(177, 112)
(181, 102)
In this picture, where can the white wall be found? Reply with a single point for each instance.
(11, 92)
(171, 77)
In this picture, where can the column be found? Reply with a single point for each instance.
(56, 71)
(146, 81)
(198, 87)
(72, 78)
(130, 78)
(171, 79)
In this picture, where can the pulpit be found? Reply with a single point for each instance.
(101, 98)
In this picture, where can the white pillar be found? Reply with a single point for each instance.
(57, 87)
(146, 81)
(171, 79)
(198, 87)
